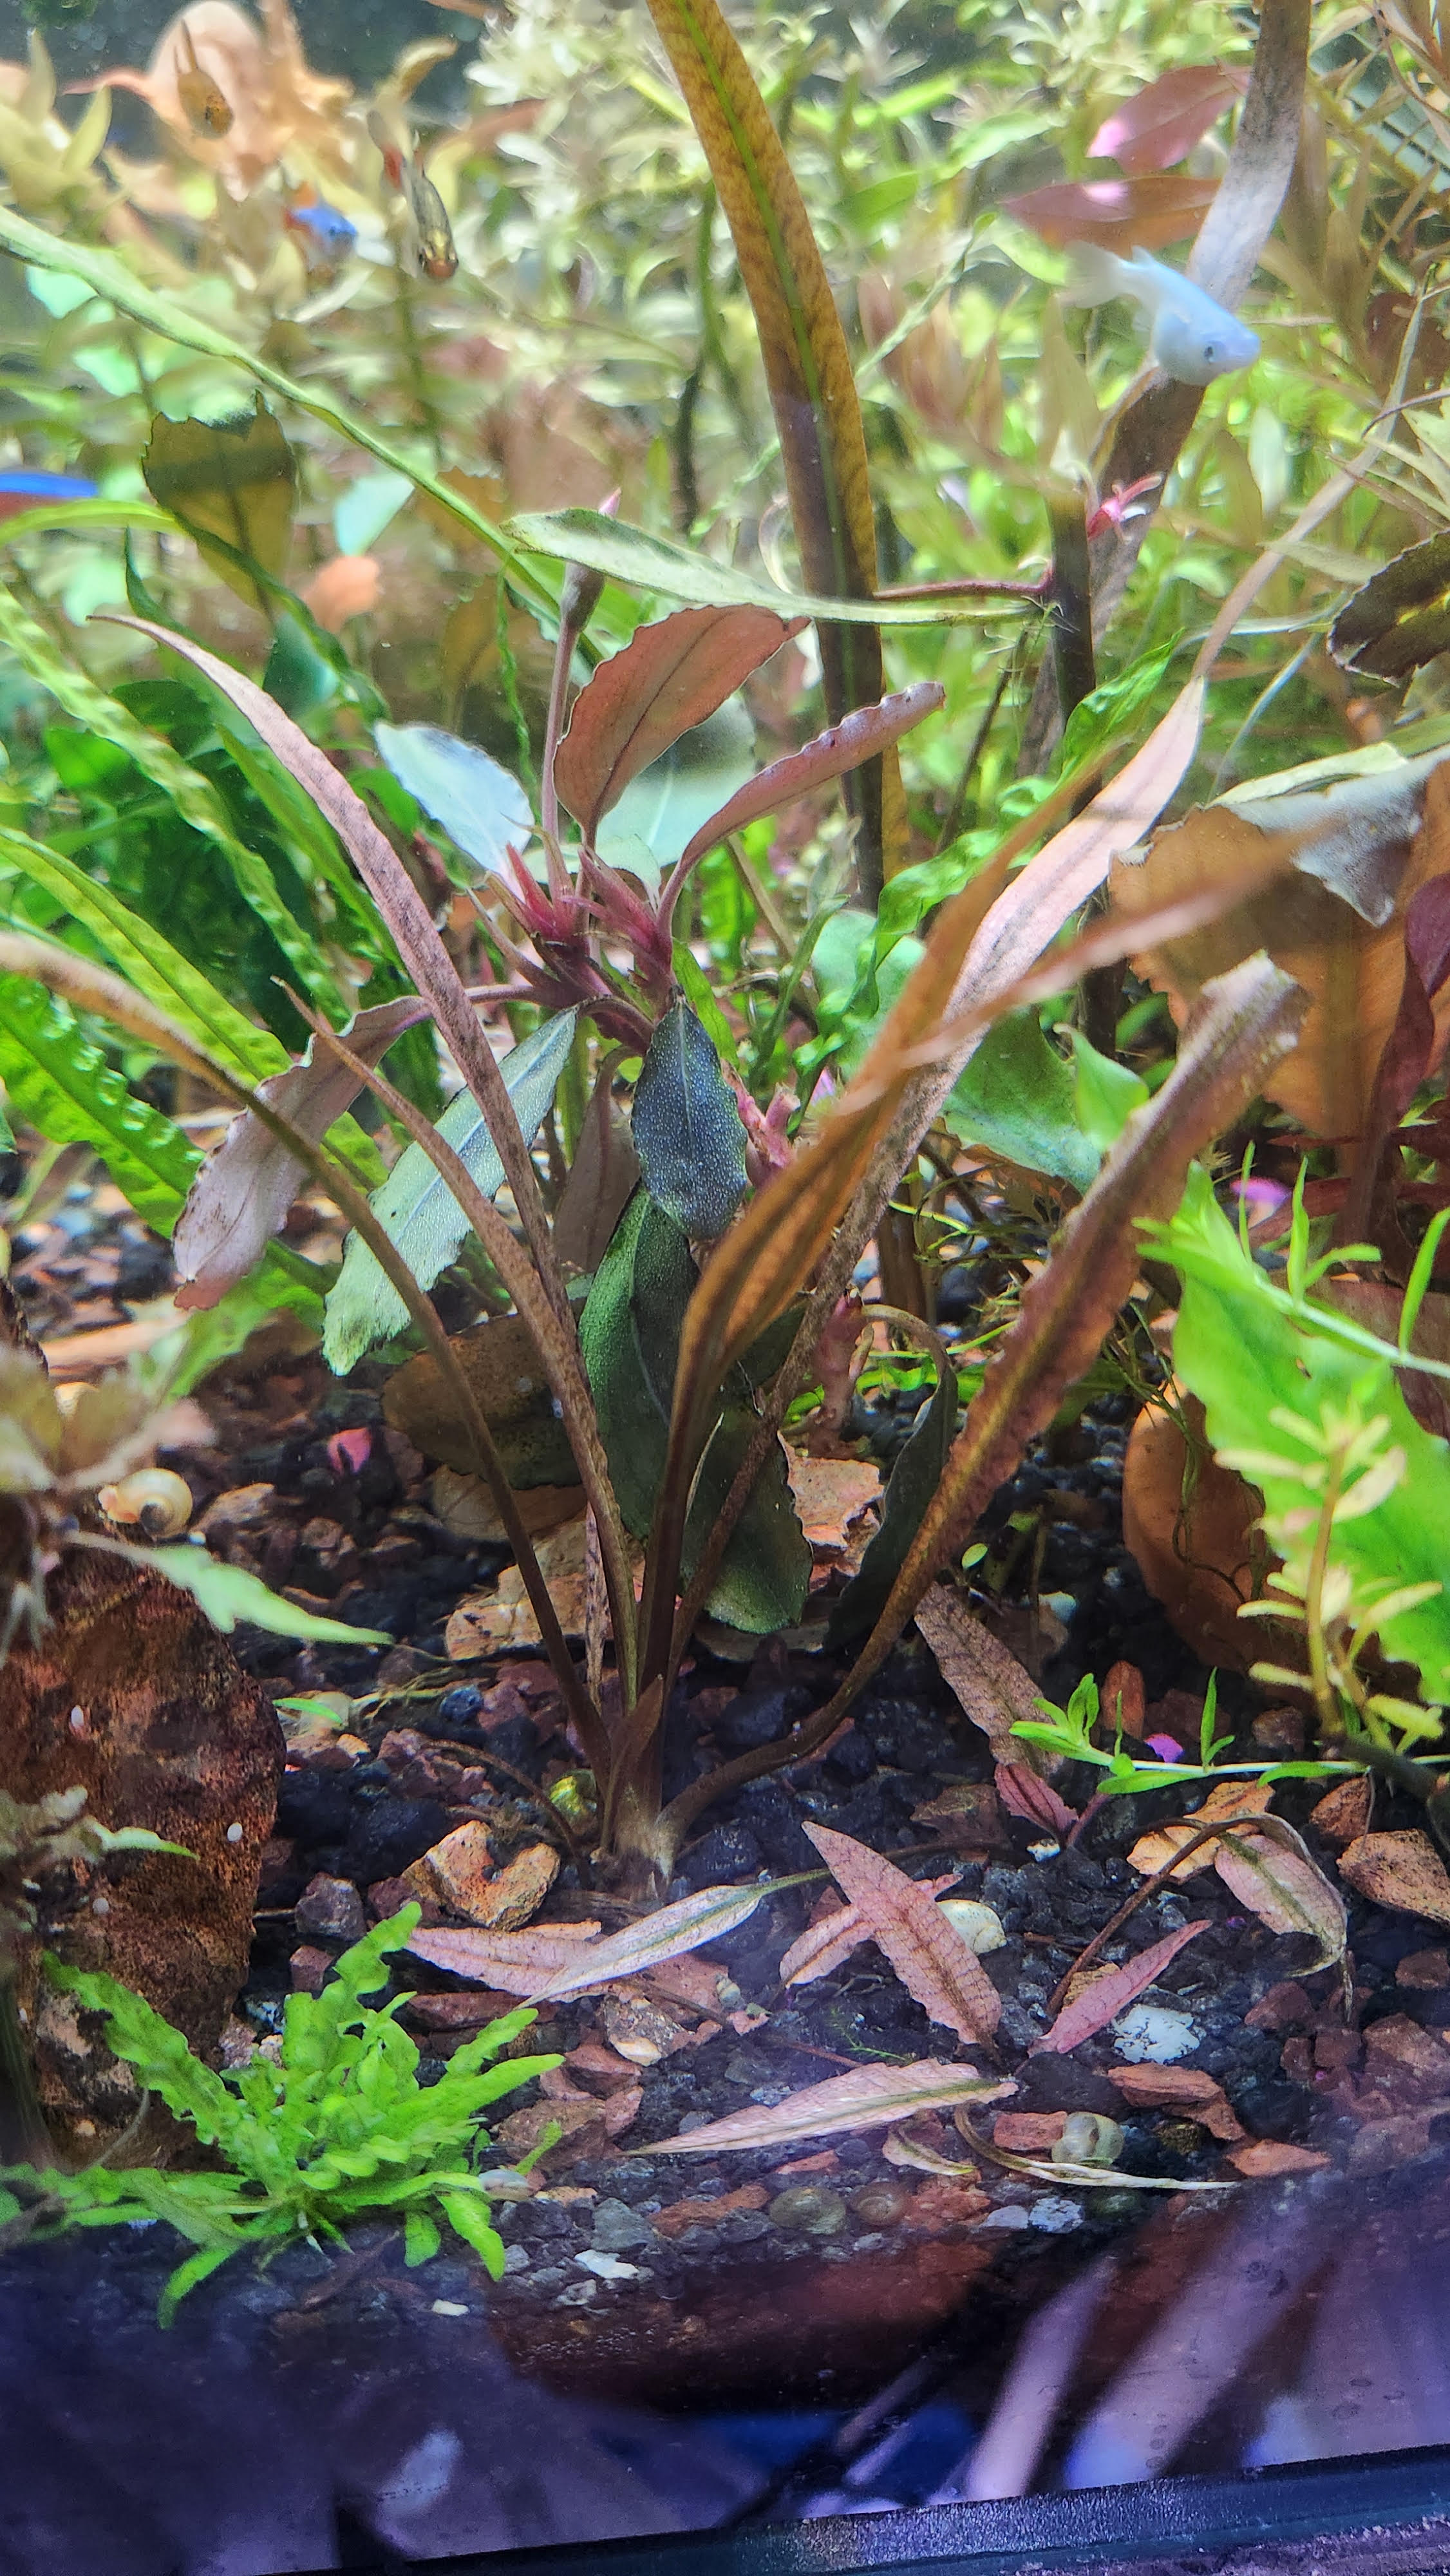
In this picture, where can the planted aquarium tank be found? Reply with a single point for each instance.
(724, 1302)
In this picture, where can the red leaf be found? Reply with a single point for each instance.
(858, 737)
(1023, 1794)
(1106, 1997)
(1161, 124)
(1117, 214)
(924, 1947)
(667, 678)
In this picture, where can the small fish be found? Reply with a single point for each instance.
(24, 487)
(206, 110)
(432, 232)
(324, 236)
(1192, 338)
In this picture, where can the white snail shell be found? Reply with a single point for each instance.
(153, 1500)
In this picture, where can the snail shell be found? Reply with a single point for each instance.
(152, 1500)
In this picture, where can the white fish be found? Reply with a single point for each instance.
(1192, 338)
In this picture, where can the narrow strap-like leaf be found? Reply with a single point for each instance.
(808, 370)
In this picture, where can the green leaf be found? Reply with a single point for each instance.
(1242, 1351)
(188, 2275)
(421, 2238)
(765, 1571)
(1018, 1098)
(1110, 713)
(159, 2053)
(687, 1130)
(657, 564)
(469, 2219)
(629, 1332)
(481, 808)
(194, 797)
(913, 1481)
(228, 1593)
(419, 1212)
(1105, 1093)
(60, 1081)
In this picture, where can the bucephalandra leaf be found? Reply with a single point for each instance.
(686, 1128)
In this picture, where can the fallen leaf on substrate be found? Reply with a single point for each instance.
(965, 1814)
(558, 1960)
(1342, 1815)
(832, 1497)
(823, 1946)
(484, 1621)
(1024, 1793)
(930, 1957)
(683, 2214)
(1175, 2088)
(1400, 1870)
(1105, 1997)
(1266, 2158)
(870, 2097)
(1275, 1877)
(993, 1689)
(1152, 1851)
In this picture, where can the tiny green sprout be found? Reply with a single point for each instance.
(338, 2128)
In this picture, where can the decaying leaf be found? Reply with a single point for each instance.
(233, 479)
(831, 1496)
(1022, 1793)
(868, 2098)
(992, 1687)
(965, 1814)
(501, 1363)
(1401, 618)
(511, 1963)
(1176, 2088)
(1192, 1528)
(1400, 1870)
(1273, 1874)
(1105, 1997)
(1358, 851)
(928, 1954)
(706, 1916)
(823, 1946)
(1153, 1850)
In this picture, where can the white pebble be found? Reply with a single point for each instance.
(1008, 2215)
(1054, 2214)
(448, 2308)
(234, 1833)
(1150, 2035)
(607, 2267)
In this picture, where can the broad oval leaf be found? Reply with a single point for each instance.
(869, 2098)
(483, 810)
(1273, 1874)
(764, 1573)
(642, 561)
(233, 479)
(858, 737)
(687, 1130)
(668, 678)
(1117, 214)
(1161, 124)
(419, 1211)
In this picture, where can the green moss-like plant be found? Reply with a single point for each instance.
(338, 2128)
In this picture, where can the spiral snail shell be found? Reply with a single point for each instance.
(152, 1500)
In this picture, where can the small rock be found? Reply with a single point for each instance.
(460, 1873)
(578, 2295)
(607, 2267)
(1053, 2214)
(639, 2031)
(310, 1969)
(618, 2229)
(330, 1909)
(1425, 1971)
(1148, 2034)
(517, 2259)
(1342, 1815)
(1279, 1731)
(1007, 2214)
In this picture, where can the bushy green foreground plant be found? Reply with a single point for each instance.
(338, 2128)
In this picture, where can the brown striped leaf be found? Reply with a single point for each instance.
(823, 1946)
(929, 1955)
(808, 370)
(868, 2098)
(1271, 1872)
(988, 1682)
(667, 678)
(1105, 1997)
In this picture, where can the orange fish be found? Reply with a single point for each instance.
(206, 110)
(432, 233)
